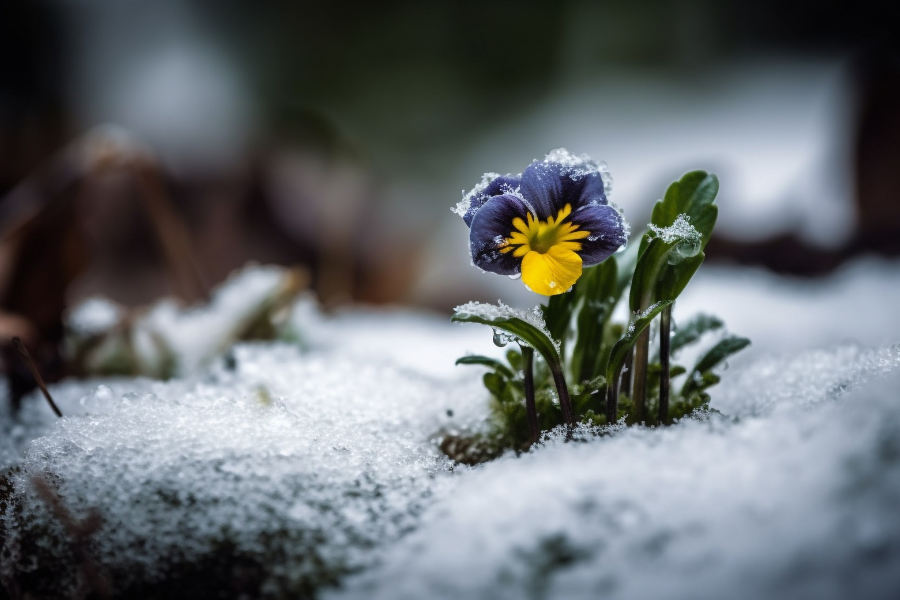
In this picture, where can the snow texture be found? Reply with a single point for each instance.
(304, 463)
(681, 230)
(800, 503)
(320, 467)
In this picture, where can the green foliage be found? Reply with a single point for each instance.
(691, 331)
(620, 351)
(594, 348)
(702, 377)
(523, 330)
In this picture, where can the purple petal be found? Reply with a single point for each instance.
(491, 226)
(483, 192)
(608, 232)
(549, 185)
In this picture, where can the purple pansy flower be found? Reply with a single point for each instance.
(545, 224)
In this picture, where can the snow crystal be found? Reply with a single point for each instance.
(680, 230)
(464, 205)
(577, 166)
(793, 504)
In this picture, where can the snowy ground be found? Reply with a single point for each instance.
(318, 467)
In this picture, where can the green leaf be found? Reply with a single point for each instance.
(620, 350)
(527, 332)
(486, 361)
(697, 379)
(558, 313)
(647, 272)
(692, 195)
(720, 352)
(625, 264)
(597, 293)
(656, 279)
(514, 358)
(676, 277)
(664, 269)
(691, 331)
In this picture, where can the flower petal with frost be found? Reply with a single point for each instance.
(546, 224)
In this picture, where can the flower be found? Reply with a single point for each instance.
(546, 224)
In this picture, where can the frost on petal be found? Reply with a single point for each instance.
(491, 184)
(564, 178)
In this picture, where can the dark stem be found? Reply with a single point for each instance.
(612, 400)
(628, 372)
(530, 406)
(665, 325)
(641, 355)
(565, 403)
(18, 345)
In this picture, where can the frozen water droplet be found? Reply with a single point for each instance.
(500, 339)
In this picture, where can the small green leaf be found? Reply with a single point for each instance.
(527, 332)
(725, 348)
(486, 361)
(691, 331)
(721, 351)
(620, 350)
(598, 296)
(558, 313)
(514, 358)
(664, 268)
(495, 384)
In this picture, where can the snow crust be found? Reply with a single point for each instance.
(301, 463)
(800, 503)
(318, 460)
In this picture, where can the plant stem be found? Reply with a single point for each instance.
(18, 345)
(665, 326)
(565, 403)
(612, 400)
(628, 372)
(530, 407)
(641, 355)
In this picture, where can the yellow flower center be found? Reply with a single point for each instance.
(548, 249)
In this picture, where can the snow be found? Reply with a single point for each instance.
(680, 229)
(94, 316)
(799, 504)
(191, 336)
(533, 317)
(317, 460)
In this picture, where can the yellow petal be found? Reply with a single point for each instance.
(551, 273)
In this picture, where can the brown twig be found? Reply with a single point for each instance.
(18, 345)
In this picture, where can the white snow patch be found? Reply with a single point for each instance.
(800, 503)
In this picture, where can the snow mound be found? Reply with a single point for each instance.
(798, 503)
(294, 465)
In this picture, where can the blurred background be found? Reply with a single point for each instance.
(150, 148)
